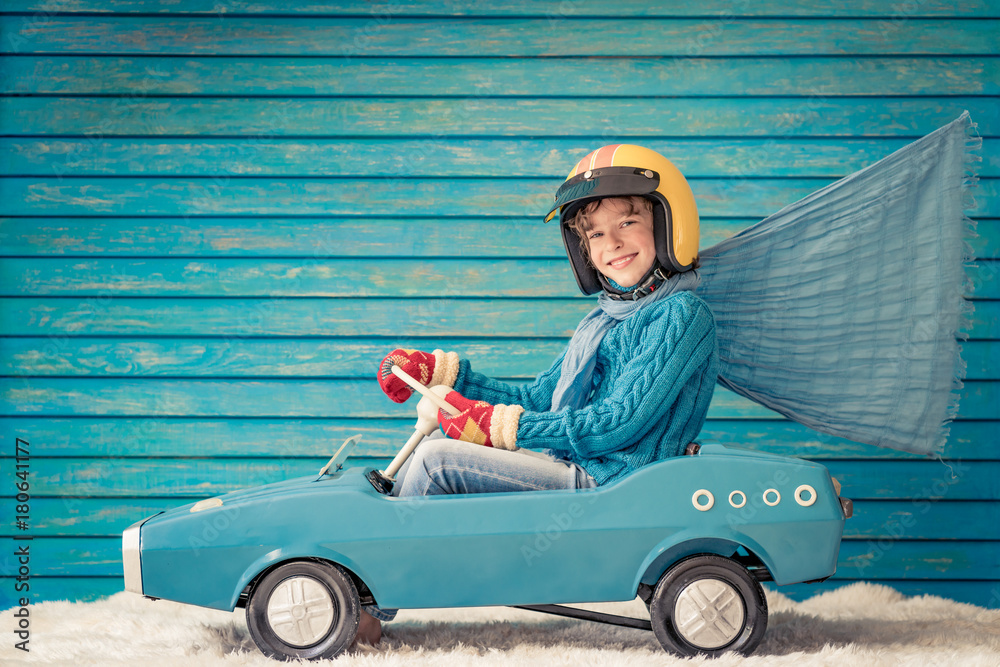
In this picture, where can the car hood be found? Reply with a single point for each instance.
(285, 487)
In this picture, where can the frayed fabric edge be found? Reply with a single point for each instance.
(971, 159)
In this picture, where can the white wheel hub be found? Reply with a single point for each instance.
(300, 611)
(709, 613)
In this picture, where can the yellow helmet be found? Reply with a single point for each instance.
(622, 170)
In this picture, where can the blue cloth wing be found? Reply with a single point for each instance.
(841, 310)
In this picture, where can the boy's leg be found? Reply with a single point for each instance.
(452, 466)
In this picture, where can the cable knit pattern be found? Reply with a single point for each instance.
(654, 380)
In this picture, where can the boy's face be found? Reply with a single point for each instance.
(621, 245)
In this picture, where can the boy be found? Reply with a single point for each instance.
(634, 384)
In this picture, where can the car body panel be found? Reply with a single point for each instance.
(539, 547)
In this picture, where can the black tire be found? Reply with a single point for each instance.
(708, 605)
(305, 609)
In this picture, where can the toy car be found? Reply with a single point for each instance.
(693, 536)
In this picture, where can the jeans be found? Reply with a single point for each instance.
(442, 465)
(451, 466)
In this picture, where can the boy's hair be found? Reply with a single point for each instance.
(581, 222)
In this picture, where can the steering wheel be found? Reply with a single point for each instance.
(432, 399)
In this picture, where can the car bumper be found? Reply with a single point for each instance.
(131, 557)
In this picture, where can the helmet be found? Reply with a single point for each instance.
(621, 170)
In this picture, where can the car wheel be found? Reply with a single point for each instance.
(708, 605)
(306, 609)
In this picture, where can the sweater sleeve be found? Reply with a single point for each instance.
(536, 396)
(671, 349)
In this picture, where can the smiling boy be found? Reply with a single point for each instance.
(634, 384)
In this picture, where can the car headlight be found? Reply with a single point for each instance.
(205, 504)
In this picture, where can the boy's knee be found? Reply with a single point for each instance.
(424, 453)
(425, 466)
(433, 453)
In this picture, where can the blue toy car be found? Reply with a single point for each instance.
(693, 536)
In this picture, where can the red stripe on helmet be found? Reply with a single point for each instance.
(603, 156)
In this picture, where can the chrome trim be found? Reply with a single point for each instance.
(301, 611)
(709, 613)
(131, 559)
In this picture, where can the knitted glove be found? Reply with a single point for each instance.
(432, 369)
(481, 423)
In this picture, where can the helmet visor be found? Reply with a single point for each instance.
(604, 182)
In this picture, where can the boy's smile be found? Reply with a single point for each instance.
(621, 245)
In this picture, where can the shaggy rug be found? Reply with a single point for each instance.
(860, 624)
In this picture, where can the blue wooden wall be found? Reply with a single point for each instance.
(215, 222)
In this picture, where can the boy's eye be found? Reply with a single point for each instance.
(594, 235)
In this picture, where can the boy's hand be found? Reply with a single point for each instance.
(428, 369)
(481, 423)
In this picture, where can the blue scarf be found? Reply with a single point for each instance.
(841, 310)
(576, 376)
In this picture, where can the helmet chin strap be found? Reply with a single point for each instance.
(647, 284)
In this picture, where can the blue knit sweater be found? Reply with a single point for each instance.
(654, 379)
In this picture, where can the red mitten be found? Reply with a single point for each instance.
(428, 369)
(481, 423)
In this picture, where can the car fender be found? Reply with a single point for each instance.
(689, 542)
(288, 554)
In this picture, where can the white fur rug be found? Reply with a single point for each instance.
(861, 624)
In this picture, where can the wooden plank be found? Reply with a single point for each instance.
(438, 157)
(905, 559)
(319, 437)
(609, 119)
(353, 357)
(350, 357)
(968, 440)
(367, 196)
(314, 237)
(93, 517)
(76, 589)
(984, 593)
(217, 438)
(722, 9)
(930, 480)
(259, 277)
(183, 480)
(383, 277)
(980, 399)
(923, 520)
(986, 243)
(101, 556)
(878, 76)
(982, 359)
(245, 318)
(278, 36)
(74, 556)
(329, 236)
(202, 477)
(873, 520)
